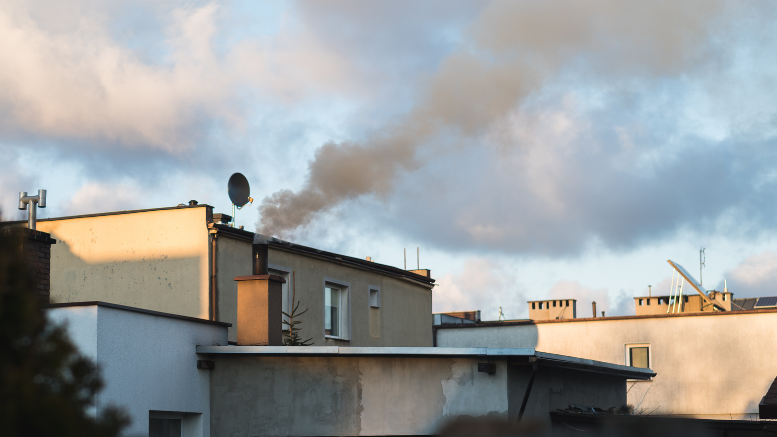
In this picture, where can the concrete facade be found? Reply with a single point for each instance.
(148, 362)
(177, 260)
(709, 365)
(393, 391)
(552, 309)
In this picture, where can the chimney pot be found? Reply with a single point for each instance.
(594, 307)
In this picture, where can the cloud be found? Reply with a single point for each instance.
(483, 284)
(556, 162)
(756, 276)
(623, 304)
(94, 197)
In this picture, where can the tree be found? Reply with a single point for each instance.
(293, 338)
(46, 385)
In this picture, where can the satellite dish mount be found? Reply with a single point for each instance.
(239, 191)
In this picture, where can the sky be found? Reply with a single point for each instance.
(526, 149)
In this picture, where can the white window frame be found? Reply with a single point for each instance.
(191, 423)
(627, 357)
(370, 289)
(345, 308)
(286, 300)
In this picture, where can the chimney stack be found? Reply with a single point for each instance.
(259, 305)
(36, 251)
(594, 306)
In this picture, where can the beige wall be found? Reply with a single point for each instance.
(716, 366)
(403, 319)
(563, 309)
(157, 260)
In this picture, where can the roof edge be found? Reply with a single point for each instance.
(133, 309)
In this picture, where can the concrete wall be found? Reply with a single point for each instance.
(157, 260)
(404, 317)
(300, 396)
(715, 366)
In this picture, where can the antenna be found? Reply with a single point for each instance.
(404, 251)
(238, 190)
(702, 263)
(650, 291)
(33, 201)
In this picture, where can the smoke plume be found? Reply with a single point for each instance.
(507, 53)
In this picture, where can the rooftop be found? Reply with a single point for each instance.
(523, 355)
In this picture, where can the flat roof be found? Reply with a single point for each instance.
(101, 214)
(522, 354)
(494, 323)
(133, 309)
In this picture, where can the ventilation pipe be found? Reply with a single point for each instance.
(593, 304)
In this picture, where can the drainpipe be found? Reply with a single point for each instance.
(213, 281)
(528, 389)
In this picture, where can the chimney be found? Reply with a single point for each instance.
(36, 251)
(602, 314)
(259, 305)
(594, 306)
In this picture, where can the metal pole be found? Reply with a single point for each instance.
(418, 256)
(528, 391)
(404, 252)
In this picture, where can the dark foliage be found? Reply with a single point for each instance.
(292, 337)
(46, 386)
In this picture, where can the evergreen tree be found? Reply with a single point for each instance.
(293, 338)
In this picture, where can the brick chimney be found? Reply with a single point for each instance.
(36, 251)
(259, 304)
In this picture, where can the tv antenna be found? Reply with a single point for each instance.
(238, 190)
(32, 201)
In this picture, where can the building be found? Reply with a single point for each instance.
(180, 260)
(553, 309)
(177, 371)
(714, 365)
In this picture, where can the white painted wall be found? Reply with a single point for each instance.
(148, 362)
(713, 366)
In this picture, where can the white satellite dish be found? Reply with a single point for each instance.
(694, 283)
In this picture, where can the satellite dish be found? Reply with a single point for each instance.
(239, 190)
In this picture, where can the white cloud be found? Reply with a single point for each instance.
(754, 277)
(94, 197)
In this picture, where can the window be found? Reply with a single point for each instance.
(374, 297)
(336, 309)
(640, 302)
(724, 298)
(554, 304)
(174, 424)
(648, 301)
(686, 299)
(332, 311)
(638, 355)
(532, 306)
(540, 305)
(567, 303)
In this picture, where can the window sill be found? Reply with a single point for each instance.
(332, 337)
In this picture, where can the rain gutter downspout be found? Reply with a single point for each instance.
(528, 388)
(213, 281)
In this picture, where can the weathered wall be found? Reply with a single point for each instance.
(716, 366)
(157, 260)
(148, 362)
(296, 396)
(403, 319)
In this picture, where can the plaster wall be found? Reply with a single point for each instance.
(711, 366)
(299, 396)
(148, 363)
(404, 317)
(157, 260)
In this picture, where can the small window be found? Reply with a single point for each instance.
(567, 303)
(659, 301)
(540, 305)
(554, 304)
(532, 306)
(638, 355)
(685, 298)
(648, 301)
(724, 298)
(374, 297)
(640, 302)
